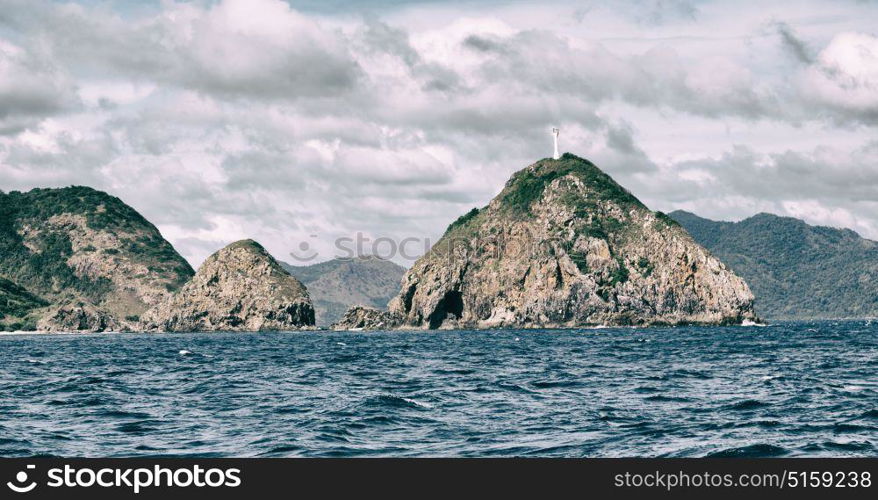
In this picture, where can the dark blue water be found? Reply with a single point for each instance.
(794, 389)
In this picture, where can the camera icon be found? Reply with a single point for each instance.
(21, 478)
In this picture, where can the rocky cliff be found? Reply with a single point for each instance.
(85, 254)
(239, 288)
(338, 284)
(795, 270)
(564, 245)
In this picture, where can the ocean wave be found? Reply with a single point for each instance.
(660, 398)
(693, 391)
(855, 446)
(552, 384)
(688, 373)
(751, 451)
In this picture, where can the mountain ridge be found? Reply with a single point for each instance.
(796, 270)
(77, 245)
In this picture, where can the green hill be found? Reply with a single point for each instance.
(17, 307)
(795, 270)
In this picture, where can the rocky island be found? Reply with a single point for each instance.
(239, 288)
(796, 270)
(79, 260)
(563, 245)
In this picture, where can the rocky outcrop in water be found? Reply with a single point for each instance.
(75, 246)
(563, 245)
(361, 317)
(239, 288)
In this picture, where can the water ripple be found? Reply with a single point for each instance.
(795, 389)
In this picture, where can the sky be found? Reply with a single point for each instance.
(309, 125)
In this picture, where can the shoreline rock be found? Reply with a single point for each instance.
(79, 317)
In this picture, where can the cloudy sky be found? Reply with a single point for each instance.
(301, 122)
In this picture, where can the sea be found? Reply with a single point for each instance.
(789, 389)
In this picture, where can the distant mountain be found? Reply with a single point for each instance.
(338, 284)
(86, 258)
(795, 270)
(17, 306)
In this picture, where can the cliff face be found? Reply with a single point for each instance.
(564, 245)
(239, 288)
(80, 248)
(795, 270)
(80, 317)
(338, 284)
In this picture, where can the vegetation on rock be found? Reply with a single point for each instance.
(527, 186)
(564, 245)
(17, 306)
(462, 220)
